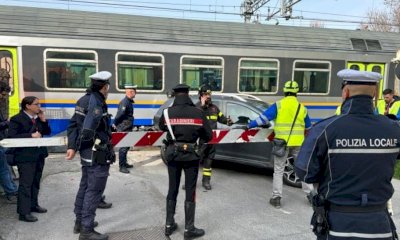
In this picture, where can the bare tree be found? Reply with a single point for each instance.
(387, 20)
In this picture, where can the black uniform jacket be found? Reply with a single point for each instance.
(21, 126)
(213, 114)
(124, 119)
(188, 124)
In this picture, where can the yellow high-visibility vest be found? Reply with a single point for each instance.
(394, 109)
(287, 108)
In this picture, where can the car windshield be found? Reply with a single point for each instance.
(260, 105)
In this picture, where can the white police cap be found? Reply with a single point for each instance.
(351, 76)
(101, 76)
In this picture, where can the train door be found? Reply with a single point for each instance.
(9, 63)
(371, 67)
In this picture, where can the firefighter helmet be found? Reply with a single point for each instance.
(204, 89)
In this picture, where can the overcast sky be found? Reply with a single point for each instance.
(348, 13)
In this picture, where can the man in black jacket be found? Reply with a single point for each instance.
(30, 122)
(185, 125)
(123, 122)
(89, 133)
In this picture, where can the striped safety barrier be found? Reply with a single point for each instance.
(150, 138)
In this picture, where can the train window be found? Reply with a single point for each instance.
(258, 75)
(199, 70)
(313, 77)
(69, 69)
(146, 70)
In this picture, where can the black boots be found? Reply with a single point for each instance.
(27, 218)
(78, 226)
(206, 182)
(170, 225)
(276, 202)
(190, 231)
(91, 235)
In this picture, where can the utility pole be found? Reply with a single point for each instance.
(249, 7)
(286, 9)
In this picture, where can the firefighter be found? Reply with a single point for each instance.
(185, 124)
(214, 115)
(291, 121)
(352, 163)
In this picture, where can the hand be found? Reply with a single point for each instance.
(70, 154)
(41, 116)
(36, 135)
(229, 121)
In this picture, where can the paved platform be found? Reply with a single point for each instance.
(236, 208)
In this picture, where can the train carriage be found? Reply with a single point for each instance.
(50, 53)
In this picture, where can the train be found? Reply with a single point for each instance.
(50, 53)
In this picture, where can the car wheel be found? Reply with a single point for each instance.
(289, 176)
(162, 154)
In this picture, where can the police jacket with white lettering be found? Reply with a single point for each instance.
(89, 122)
(188, 124)
(213, 114)
(124, 118)
(351, 156)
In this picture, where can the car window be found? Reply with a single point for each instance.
(240, 113)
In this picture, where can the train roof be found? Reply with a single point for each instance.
(57, 23)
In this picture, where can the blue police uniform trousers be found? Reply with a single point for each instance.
(91, 188)
(359, 226)
(6, 180)
(122, 152)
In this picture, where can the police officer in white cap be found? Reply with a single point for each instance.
(89, 133)
(352, 163)
(123, 122)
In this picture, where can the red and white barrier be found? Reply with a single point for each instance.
(151, 138)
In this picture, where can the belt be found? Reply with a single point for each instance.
(357, 209)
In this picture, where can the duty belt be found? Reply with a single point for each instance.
(356, 209)
(185, 147)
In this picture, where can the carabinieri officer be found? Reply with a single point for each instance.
(351, 158)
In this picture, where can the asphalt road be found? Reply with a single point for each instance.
(236, 208)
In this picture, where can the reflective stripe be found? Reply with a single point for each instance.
(207, 172)
(360, 235)
(364, 150)
(86, 160)
(259, 122)
(213, 117)
(80, 113)
(220, 114)
(263, 117)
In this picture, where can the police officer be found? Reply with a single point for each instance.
(389, 105)
(291, 121)
(352, 164)
(213, 115)
(185, 125)
(89, 132)
(123, 122)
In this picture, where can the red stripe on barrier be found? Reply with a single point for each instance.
(148, 139)
(117, 137)
(246, 134)
(217, 139)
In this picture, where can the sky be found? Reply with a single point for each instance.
(344, 14)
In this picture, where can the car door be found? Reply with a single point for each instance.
(250, 153)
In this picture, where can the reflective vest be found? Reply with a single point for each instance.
(286, 111)
(393, 109)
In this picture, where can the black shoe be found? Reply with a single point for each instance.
(124, 170)
(12, 199)
(27, 218)
(128, 165)
(206, 182)
(78, 226)
(170, 225)
(194, 233)
(39, 209)
(276, 202)
(92, 235)
(104, 205)
(169, 229)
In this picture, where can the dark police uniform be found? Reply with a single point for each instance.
(214, 115)
(353, 165)
(89, 132)
(124, 123)
(188, 124)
